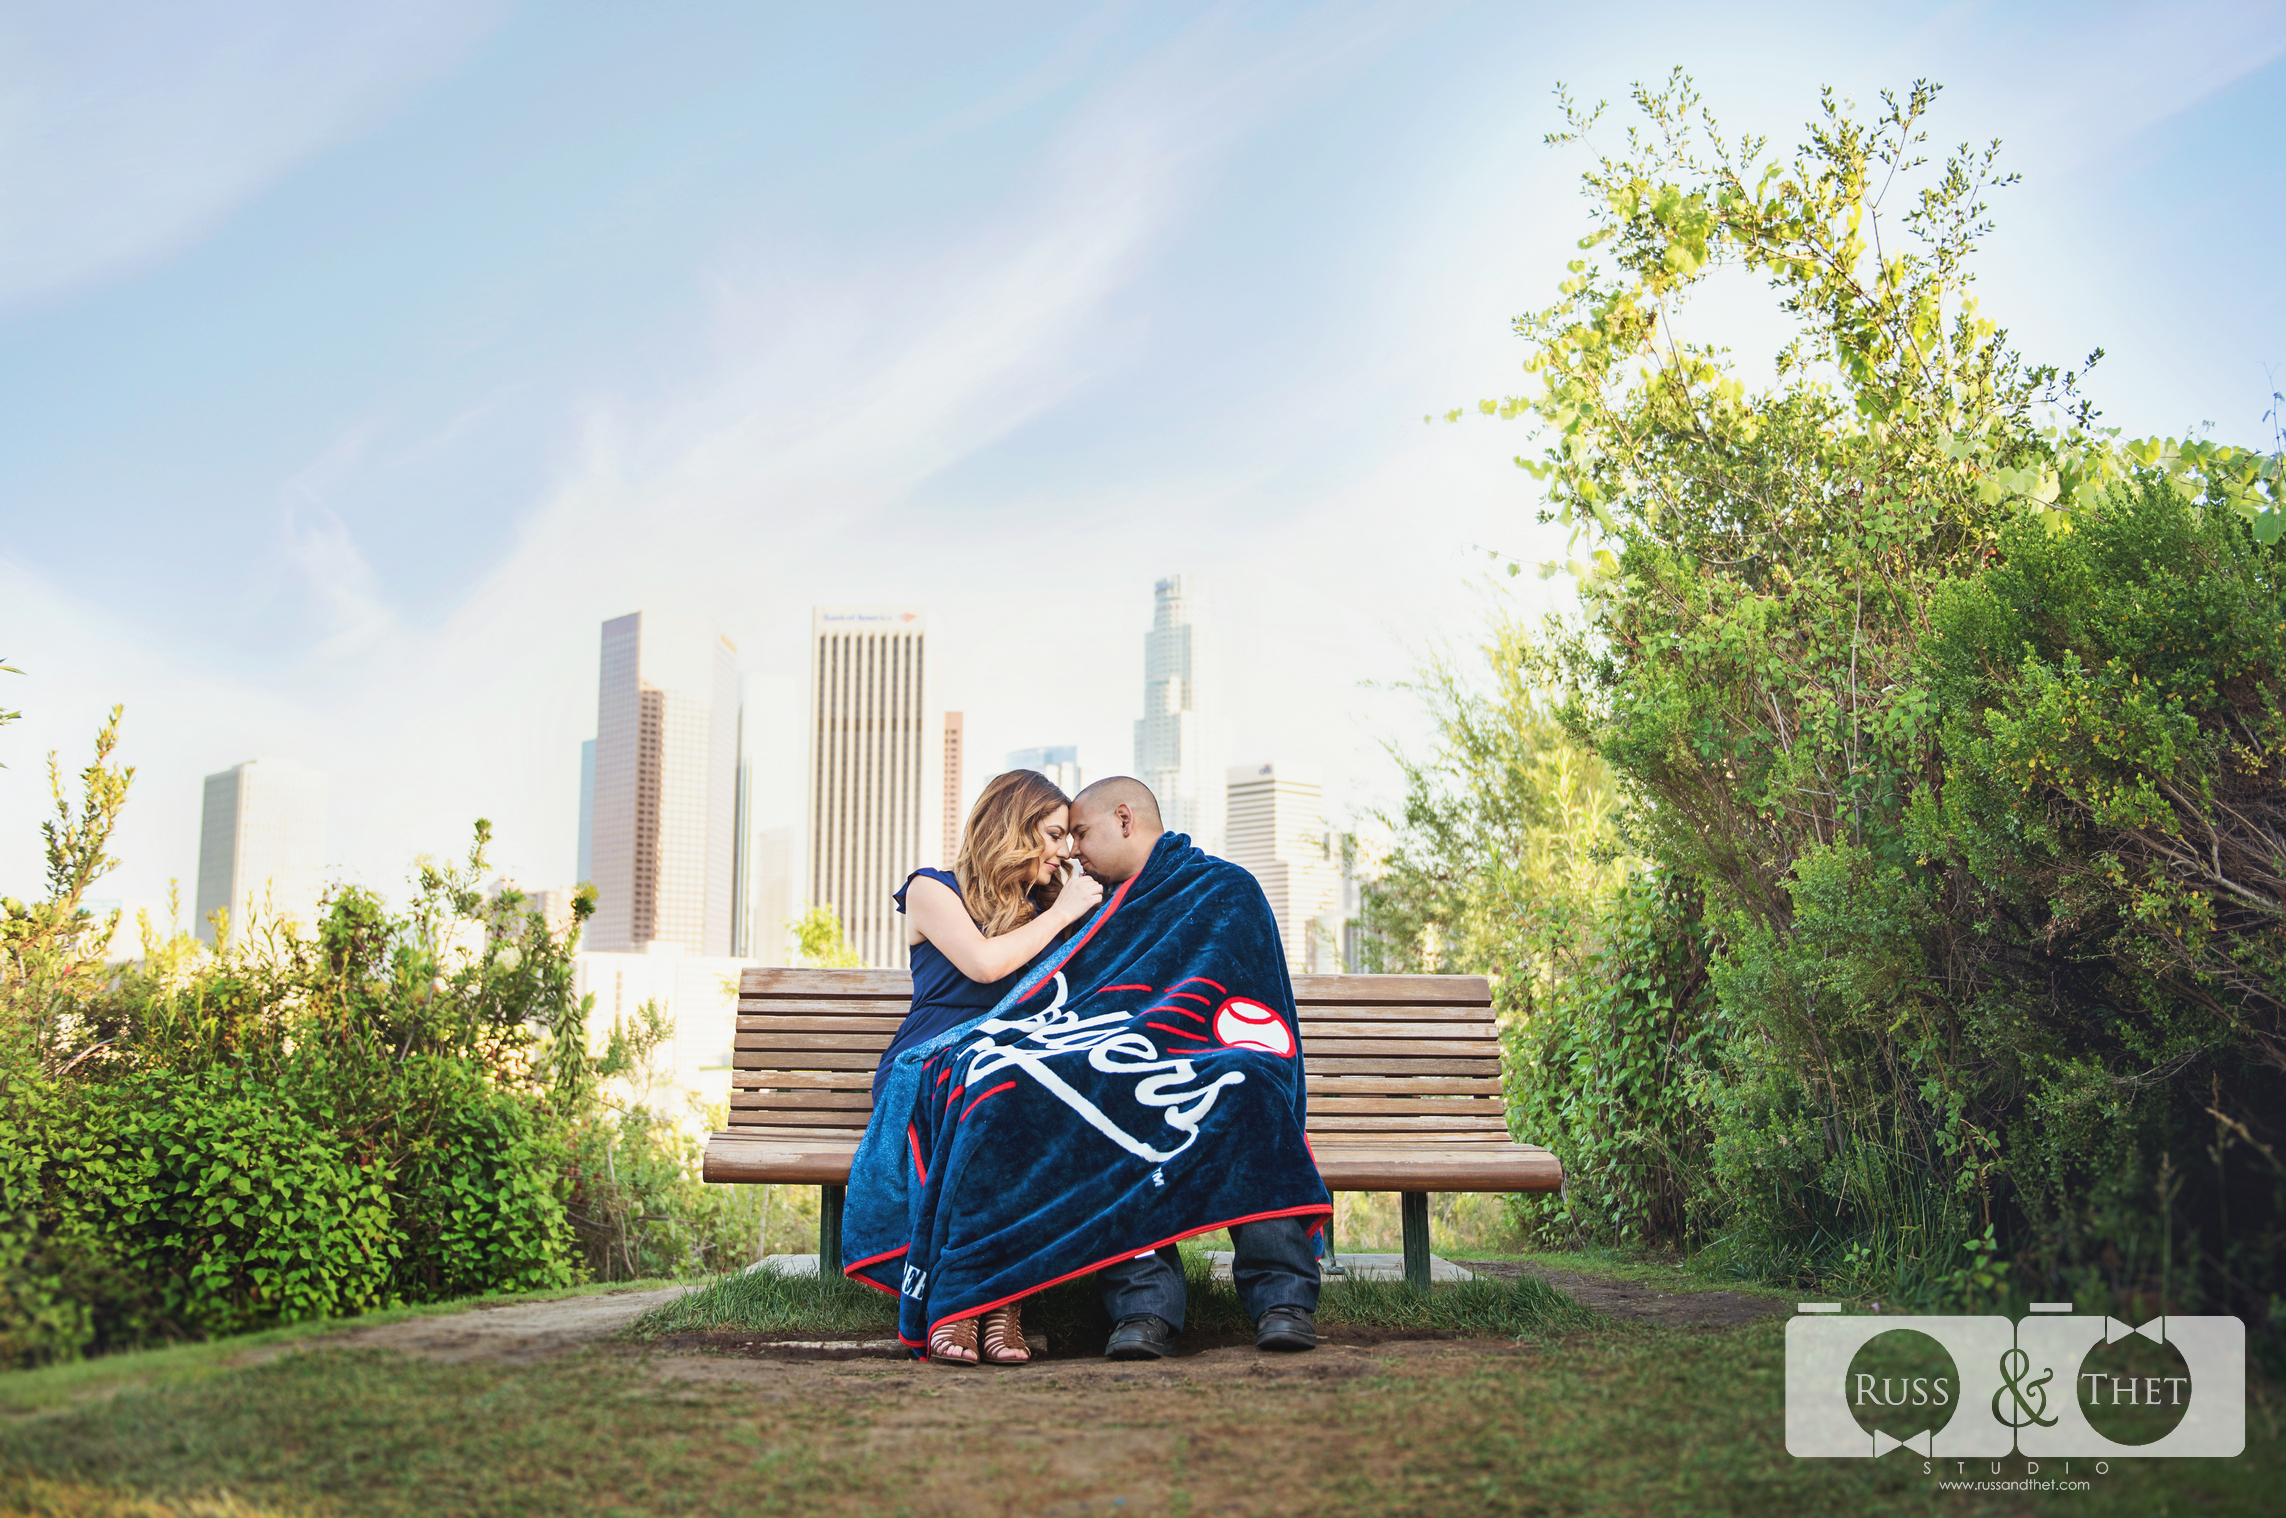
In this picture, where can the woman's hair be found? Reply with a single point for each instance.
(1003, 842)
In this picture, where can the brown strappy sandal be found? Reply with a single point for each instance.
(1004, 1336)
(954, 1342)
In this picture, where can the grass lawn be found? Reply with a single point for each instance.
(1488, 1399)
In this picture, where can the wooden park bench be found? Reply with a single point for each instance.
(1403, 1073)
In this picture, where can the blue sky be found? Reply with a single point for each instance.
(356, 362)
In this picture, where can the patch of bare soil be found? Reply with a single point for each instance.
(507, 1333)
(788, 1347)
(1214, 1428)
(1631, 1300)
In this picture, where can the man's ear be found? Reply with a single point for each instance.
(1126, 820)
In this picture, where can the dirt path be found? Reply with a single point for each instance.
(520, 1333)
(1633, 1301)
(509, 1333)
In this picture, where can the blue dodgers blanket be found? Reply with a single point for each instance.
(1143, 1083)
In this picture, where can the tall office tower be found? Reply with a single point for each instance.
(1060, 764)
(664, 848)
(876, 769)
(261, 844)
(1180, 750)
(1278, 834)
(953, 767)
(586, 870)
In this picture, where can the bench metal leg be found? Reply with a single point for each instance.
(829, 1229)
(1413, 1206)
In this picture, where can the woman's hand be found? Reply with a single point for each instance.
(1080, 894)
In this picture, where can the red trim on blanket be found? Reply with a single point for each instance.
(1325, 1208)
(913, 1137)
(851, 1270)
(1178, 1032)
(1107, 990)
(1194, 996)
(1186, 980)
(989, 1095)
(945, 1076)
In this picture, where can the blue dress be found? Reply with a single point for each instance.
(942, 996)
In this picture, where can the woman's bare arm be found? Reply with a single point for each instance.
(936, 910)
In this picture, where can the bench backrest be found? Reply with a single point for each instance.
(1409, 1058)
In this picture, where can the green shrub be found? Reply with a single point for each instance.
(476, 1200)
(1606, 1067)
(227, 1208)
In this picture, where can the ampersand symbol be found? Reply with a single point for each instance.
(2013, 1365)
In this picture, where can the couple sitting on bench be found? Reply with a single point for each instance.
(1082, 1081)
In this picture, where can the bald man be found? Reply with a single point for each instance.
(1114, 827)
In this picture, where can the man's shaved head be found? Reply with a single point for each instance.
(1113, 789)
(1115, 825)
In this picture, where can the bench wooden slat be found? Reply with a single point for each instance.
(1413, 1164)
(1316, 1065)
(1389, 1048)
(1407, 1107)
(1329, 1085)
(1410, 1166)
(859, 1102)
(794, 1117)
(1399, 1085)
(845, 1059)
(1459, 1122)
(1395, 990)
(800, 1042)
(754, 1006)
(826, 985)
(804, 1022)
(1318, 1031)
(801, 1080)
(821, 1059)
(1324, 1089)
(1316, 1012)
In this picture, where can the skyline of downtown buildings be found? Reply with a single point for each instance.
(883, 784)
(694, 849)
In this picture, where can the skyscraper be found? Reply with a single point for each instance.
(666, 771)
(1180, 750)
(261, 844)
(1278, 834)
(953, 767)
(1060, 764)
(876, 783)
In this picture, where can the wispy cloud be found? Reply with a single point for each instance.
(130, 129)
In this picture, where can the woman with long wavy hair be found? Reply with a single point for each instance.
(970, 933)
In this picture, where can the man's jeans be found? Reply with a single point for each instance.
(1273, 1266)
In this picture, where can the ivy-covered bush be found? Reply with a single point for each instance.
(219, 1206)
(1608, 1066)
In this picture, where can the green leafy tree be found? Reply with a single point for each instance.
(1787, 592)
(820, 942)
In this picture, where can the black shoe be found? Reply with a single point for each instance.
(1145, 1336)
(1286, 1328)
